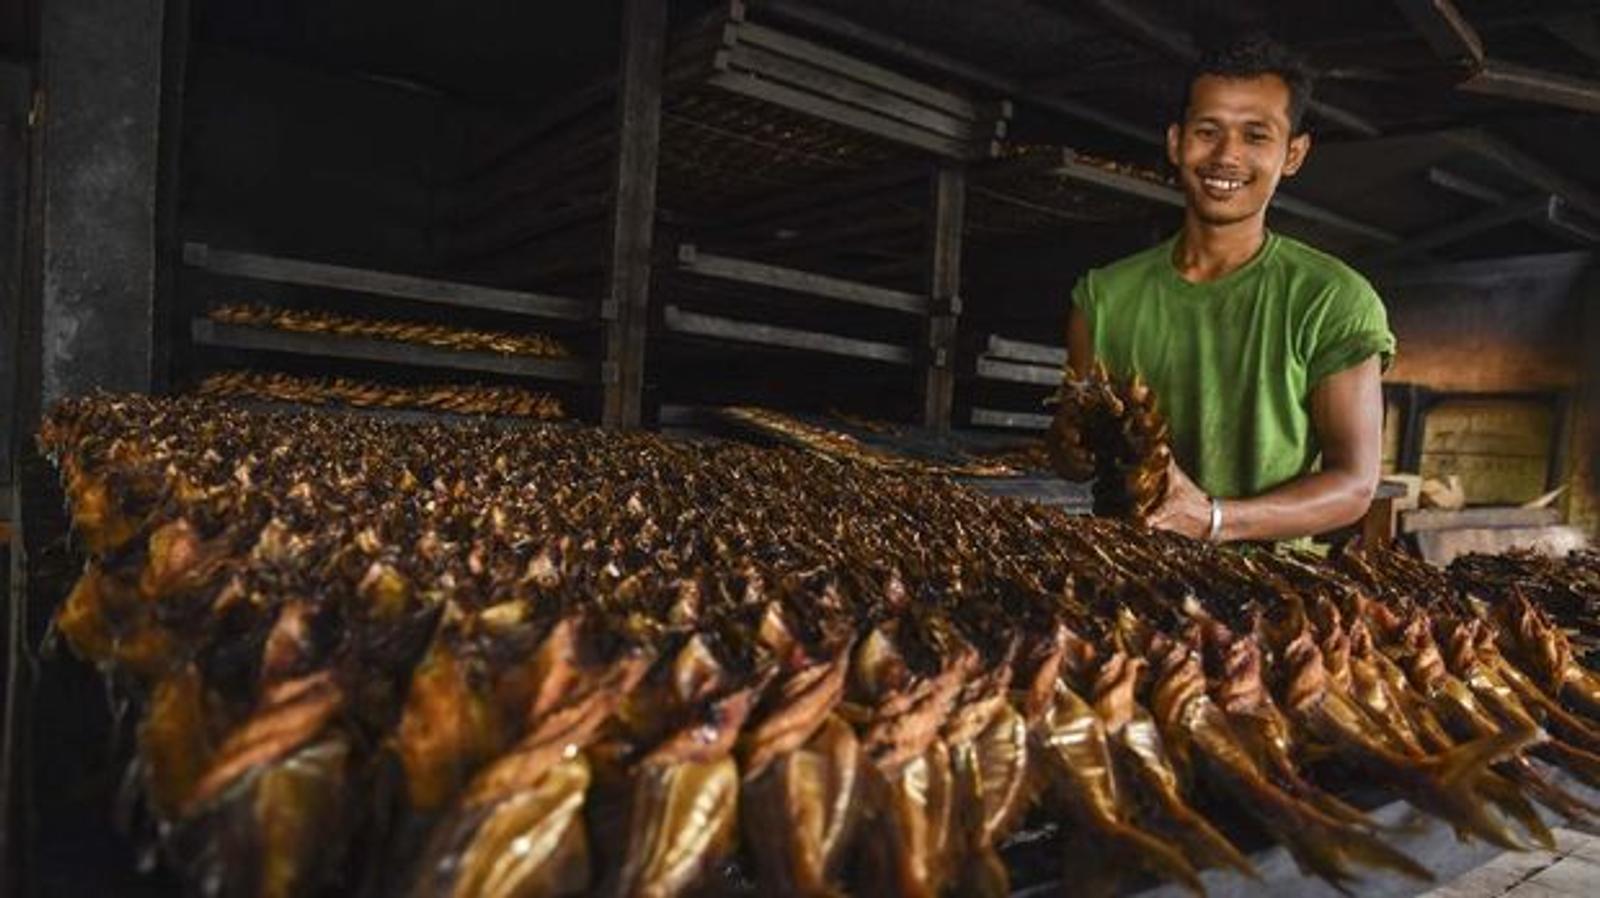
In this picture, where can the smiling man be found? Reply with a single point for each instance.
(1265, 354)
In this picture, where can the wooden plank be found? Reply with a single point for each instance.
(994, 369)
(1378, 524)
(1486, 427)
(1128, 185)
(1425, 519)
(945, 228)
(1312, 212)
(696, 324)
(1024, 351)
(628, 264)
(793, 280)
(400, 286)
(1514, 82)
(1460, 229)
(993, 417)
(1445, 29)
(864, 96)
(1441, 547)
(1528, 169)
(850, 117)
(234, 336)
(857, 70)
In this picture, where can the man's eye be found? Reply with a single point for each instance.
(1258, 137)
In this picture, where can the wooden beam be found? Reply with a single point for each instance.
(1522, 209)
(302, 273)
(824, 59)
(1128, 185)
(1464, 186)
(945, 227)
(1429, 519)
(1012, 372)
(1179, 45)
(799, 73)
(1528, 169)
(695, 324)
(1560, 220)
(1515, 82)
(1445, 29)
(992, 417)
(851, 116)
(760, 274)
(644, 37)
(1024, 351)
(217, 334)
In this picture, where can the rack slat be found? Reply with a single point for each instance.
(993, 417)
(850, 116)
(1023, 351)
(696, 324)
(1012, 372)
(761, 274)
(235, 336)
(403, 286)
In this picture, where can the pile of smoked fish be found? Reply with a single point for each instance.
(319, 321)
(456, 398)
(426, 660)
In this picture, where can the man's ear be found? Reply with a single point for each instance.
(1174, 137)
(1299, 149)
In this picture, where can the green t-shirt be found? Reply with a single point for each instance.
(1233, 361)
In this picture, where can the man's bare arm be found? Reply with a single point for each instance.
(1080, 345)
(1347, 415)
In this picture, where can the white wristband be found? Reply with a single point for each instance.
(1216, 521)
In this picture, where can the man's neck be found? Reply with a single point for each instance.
(1207, 252)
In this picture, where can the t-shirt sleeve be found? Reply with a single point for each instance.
(1349, 327)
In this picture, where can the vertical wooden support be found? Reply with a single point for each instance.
(87, 319)
(633, 213)
(949, 203)
(1415, 402)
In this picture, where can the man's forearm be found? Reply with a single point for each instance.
(1316, 503)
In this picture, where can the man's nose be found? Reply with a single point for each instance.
(1226, 149)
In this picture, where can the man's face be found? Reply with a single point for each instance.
(1234, 145)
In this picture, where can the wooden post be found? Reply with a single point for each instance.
(87, 318)
(633, 212)
(1414, 408)
(949, 204)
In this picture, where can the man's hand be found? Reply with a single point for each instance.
(1186, 508)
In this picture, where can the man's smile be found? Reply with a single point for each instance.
(1222, 187)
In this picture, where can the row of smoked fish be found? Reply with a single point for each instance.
(424, 660)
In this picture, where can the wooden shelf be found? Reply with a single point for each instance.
(781, 69)
(233, 336)
(679, 321)
(761, 274)
(401, 286)
(1023, 351)
(1073, 169)
(1016, 372)
(993, 417)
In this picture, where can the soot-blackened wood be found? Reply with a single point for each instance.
(304, 273)
(695, 324)
(761, 274)
(101, 69)
(16, 92)
(949, 203)
(644, 34)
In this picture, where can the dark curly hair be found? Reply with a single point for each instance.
(1249, 57)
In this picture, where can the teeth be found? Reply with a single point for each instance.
(1222, 183)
